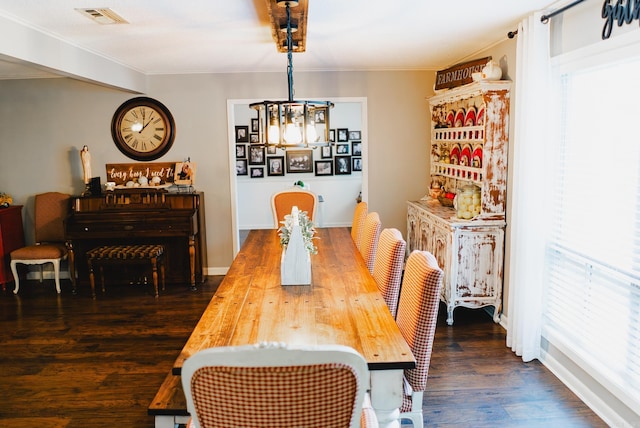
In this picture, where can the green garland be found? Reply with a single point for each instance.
(306, 227)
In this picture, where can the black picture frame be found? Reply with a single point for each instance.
(324, 167)
(242, 134)
(272, 150)
(356, 164)
(343, 134)
(257, 172)
(241, 151)
(342, 149)
(299, 161)
(241, 167)
(253, 138)
(254, 125)
(256, 155)
(356, 148)
(275, 165)
(332, 135)
(342, 165)
(325, 152)
(355, 135)
(319, 116)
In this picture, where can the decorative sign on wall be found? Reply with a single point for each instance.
(624, 12)
(121, 173)
(459, 74)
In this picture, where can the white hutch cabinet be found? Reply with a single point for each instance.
(469, 141)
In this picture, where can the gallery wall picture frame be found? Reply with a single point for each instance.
(254, 125)
(354, 135)
(325, 152)
(356, 164)
(299, 161)
(324, 167)
(241, 151)
(275, 165)
(257, 172)
(356, 148)
(256, 155)
(332, 135)
(242, 134)
(272, 150)
(253, 138)
(319, 117)
(241, 167)
(342, 165)
(342, 149)
(343, 134)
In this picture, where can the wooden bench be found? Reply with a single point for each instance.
(169, 406)
(126, 254)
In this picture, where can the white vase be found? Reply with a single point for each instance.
(295, 266)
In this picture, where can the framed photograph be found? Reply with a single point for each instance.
(354, 135)
(256, 155)
(185, 173)
(356, 164)
(324, 167)
(325, 152)
(299, 161)
(242, 134)
(343, 134)
(253, 138)
(275, 165)
(343, 165)
(271, 150)
(356, 148)
(332, 135)
(241, 151)
(319, 116)
(257, 172)
(342, 149)
(254, 125)
(241, 167)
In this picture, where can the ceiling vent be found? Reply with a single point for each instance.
(102, 16)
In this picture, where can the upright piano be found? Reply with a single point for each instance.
(140, 216)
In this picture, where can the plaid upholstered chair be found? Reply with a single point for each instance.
(388, 264)
(275, 386)
(283, 201)
(359, 214)
(416, 318)
(50, 211)
(369, 239)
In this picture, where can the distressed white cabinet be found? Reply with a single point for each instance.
(469, 141)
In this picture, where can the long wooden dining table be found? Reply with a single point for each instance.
(341, 306)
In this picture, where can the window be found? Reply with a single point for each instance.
(592, 307)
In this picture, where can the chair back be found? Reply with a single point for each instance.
(274, 385)
(283, 201)
(369, 238)
(418, 312)
(50, 212)
(387, 267)
(359, 214)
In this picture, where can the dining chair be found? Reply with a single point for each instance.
(359, 214)
(369, 239)
(50, 211)
(416, 318)
(284, 200)
(277, 385)
(388, 264)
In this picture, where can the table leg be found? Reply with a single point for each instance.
(386, 396)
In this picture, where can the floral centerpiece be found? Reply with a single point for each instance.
(306, 228)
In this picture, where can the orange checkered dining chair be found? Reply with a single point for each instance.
(283, 201)
(388, 264)
(369, 239)
(359, 214)
(274, 385)
(416, 318)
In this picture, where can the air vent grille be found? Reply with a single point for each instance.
(102, 16)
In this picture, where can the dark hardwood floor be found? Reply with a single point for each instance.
(70, 361)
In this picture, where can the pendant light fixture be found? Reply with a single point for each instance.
(292, 123)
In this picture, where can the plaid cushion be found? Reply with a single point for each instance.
(357, 224)
(417, 315)
(319, 395)
(387, 267)
(125, 252)
(369, 239)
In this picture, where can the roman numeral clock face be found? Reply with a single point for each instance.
(143, 129)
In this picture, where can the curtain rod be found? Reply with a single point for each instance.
(545, 18)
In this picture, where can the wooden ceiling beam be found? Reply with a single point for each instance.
(278, 17)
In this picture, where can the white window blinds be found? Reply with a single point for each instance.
(592, 307)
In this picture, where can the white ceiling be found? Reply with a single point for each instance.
(212, 36)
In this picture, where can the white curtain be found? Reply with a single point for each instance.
(528, 188)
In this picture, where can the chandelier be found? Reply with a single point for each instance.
(292, 123)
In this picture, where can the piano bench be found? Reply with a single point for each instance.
(126, 254)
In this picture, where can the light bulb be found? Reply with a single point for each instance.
(292, 134)
(274, 134)
(312, 135)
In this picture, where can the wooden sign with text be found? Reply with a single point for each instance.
(120, 173)
(459, 74)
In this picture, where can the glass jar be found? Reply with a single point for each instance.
(468, 202)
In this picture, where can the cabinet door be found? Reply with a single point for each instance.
(413, 226)
(479, 263)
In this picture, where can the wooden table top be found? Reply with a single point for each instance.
(341, 306)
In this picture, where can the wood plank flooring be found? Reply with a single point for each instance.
(70, 361)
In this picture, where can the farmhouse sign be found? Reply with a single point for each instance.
(120, 173)
(459, 74)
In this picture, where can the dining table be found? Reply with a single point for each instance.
(342, 305)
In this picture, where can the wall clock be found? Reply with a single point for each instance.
(143, 129)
